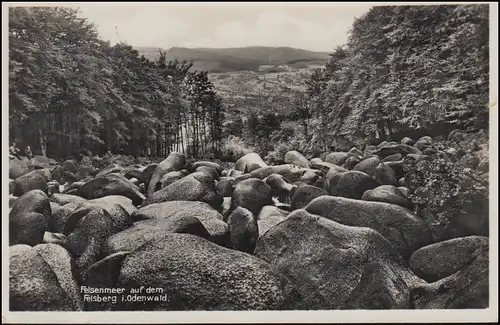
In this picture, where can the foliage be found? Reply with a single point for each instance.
(71, 92)
(442, 188)
(234, 148)
(404, 69)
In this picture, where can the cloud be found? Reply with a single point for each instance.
(276, 28)
(138, 26)
(310, 28)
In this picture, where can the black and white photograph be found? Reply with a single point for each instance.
(272, 161)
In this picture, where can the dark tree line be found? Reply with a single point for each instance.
(71, 92)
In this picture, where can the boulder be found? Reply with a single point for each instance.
(305, 194)
(290, 172)
(110, 184)
(70, 166)
(72, 188)
(85, 242)
(210, 164)
(394, 157)
(53, 187)
(310, 178)
(243, 230)
(437, 261)
(135, 181)
(30, 181)
(269, 217)
(249, 162)
(54, 238)
(70, 178)
(368, 166)
(224, 187)
(234, 173)
(110, 169)
(280, 188)
(134, 172)
(63, 199)
(196, 274)
(405, 191)
(325, 167)
(466, 289)
(60, 262)
(385, 175)
(17, 168)
(337, 158)
(26, 228)
(147, 174)
(40, 162)
(102, 274)
(332, 179)
(382, 144)
(397, 167)
(402, 149)
(33, 284)
(209, 171)
(336, 266)
(259, 173)
(404, 230)
(355, 152)
(45, 173)
(62, 222)
(174, 162)
(110, 200)
(194, 187)
(208, 216)
(146, 230)
(12, 200)
(12, 186)
(351, 162)
(408, 141)
(32, 201)
(352, 184)
(251, 194)
(388, 194)
(226, 206)
(84, 172)
(369, 151)
(296, 158)
(172, 177)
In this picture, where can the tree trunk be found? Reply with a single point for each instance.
(182, 141)
(43, 140)
(158, 138)
(109, 135)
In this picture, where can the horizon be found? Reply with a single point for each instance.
(317, 27)
(224, 48)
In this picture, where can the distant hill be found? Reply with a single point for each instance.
(250, 79)
(238, 59)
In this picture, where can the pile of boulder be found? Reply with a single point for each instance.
(332, 233)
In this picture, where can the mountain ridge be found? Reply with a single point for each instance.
(249, 58)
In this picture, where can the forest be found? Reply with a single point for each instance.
(72, 93)
(405, 71)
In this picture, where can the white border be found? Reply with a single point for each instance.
(396, 316)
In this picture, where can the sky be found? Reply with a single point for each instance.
(310, 26)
